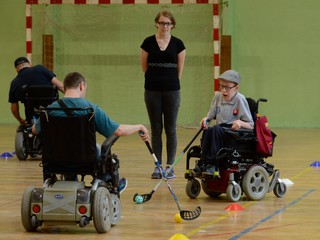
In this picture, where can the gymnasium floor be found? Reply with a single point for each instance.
(296, 216)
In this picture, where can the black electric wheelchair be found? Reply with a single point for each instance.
(27, 143)
(241, 168)
(70, 152)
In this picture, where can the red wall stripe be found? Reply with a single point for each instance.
(216, 34)
(128, 1)
(80, 1)
(202, 1)
(28, 22)
(215, 9)
(216, 57)
(216, 38)
(56, 1)
(31, 1)
(29, 46)
(153, 1)
(177, 1)
(104, 1)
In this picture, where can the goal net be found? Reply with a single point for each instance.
(103, 43)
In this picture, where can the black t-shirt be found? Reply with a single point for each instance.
(29, 76)
(162, 72)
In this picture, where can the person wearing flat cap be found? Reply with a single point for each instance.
(229, 108)
(28, 76)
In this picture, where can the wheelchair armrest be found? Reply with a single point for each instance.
(240, 132)
(107, 144)
(245, 130)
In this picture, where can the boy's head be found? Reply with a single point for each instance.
(229, 84)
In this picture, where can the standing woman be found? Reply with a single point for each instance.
(162, 61)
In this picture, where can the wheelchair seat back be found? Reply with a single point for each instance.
(36, 96)
(244, 140)
(253, 106)
(69, 143)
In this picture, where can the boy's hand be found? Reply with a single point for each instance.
(236, 125)
(204, 123)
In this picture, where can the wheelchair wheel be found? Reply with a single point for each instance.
(193, 188)
(101, 210)
(27, 222)
(233, 192)
(280, 189)
(255, 183)
(20, 147)
(116, 210)
(211, 194)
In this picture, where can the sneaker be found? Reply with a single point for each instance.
(169, 175)
(211, 170)
(156, 174)
(123, 183)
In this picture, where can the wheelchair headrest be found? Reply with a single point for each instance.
(36, 96)
(42, 92)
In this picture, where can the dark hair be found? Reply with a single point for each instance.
(166, 13)
(72, 80)
(20, 60)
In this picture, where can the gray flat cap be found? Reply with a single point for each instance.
(231, 75)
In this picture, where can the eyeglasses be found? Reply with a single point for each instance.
(227, 88)
(167, 24)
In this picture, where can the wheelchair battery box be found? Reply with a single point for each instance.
(61, 202)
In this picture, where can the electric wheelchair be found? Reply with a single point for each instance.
(241, 168)
(27, 143)
(69, 152)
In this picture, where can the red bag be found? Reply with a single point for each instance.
(265, 137)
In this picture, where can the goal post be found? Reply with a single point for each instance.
(101, 39)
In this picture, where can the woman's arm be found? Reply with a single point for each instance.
(181, 59)
(144, 60)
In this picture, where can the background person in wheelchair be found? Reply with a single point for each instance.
(230, 109)
(28, 76)
(75, 87)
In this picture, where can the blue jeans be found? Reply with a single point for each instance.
(163, 108)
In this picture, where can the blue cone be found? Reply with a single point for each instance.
(6, 155)
(315, 164)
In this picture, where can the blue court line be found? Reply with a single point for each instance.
(271, 215)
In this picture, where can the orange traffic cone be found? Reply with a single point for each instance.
(234, 207)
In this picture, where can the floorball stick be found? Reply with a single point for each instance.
(185, 214)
